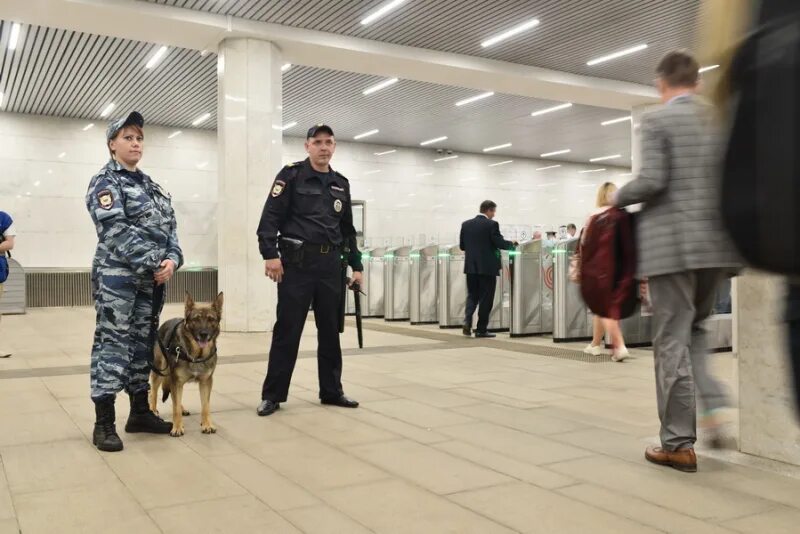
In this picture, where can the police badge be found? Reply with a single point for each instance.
(277, 189)
(106, 199)
(337, 205)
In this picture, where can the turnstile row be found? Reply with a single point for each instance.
(534, 295)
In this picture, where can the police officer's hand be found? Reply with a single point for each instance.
(166, 271)
(274, 269)
(356, 278)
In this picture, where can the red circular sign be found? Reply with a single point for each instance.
(548, 277)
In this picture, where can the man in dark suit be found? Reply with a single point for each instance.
(482, 241)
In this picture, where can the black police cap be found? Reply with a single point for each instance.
(314, 130)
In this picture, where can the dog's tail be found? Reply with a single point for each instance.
(165, 394)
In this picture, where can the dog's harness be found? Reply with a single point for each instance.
(172, 349)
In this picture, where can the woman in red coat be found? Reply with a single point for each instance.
(601, 325)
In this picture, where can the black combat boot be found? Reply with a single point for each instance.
(105, 435)
(142, 419)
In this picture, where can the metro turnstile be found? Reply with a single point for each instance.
(499, 319)
(452, 287)
(423, 289)
(397, 271)
(371, 284)
(531, 289)
(572, 320)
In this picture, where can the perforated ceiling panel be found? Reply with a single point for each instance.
(72, 74)
(570, 33)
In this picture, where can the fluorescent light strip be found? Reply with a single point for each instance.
(286, 126)
(474, 98)
(446, 158)
(548, 167)
(384, 153)
(603, 158)
(285, 67)
(156, 57)
(615, 55)
(383, 85)
(13, 40)
(174, 134)
(376, 171)
(201, 119)
(381, 12)
(591, 170)
(508, 183)
(706, 69)
(435, 140)
(498, 147)
(501, 163)
(511, 33)
(62, 154)
(626, 174)
(88, 126)
(615, 121)
(366, 134)
(202, 165)
(107, 110)
(550, 110)
(556, 153)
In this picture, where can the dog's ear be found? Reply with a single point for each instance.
(218, 303)
(189, 302)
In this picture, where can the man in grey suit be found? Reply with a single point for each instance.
(683, 252)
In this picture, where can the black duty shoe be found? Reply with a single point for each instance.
(343, 402)
(141, 419)
(485, 334)
(268, 407)
(105, 436)
(467, 329)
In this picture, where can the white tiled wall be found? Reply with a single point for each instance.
(46, 164)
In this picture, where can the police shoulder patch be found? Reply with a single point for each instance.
(105, 198)
(278, 188)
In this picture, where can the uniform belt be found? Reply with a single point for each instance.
(320, 249)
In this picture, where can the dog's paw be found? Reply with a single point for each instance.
(176, 431)
(208, 428)
(186, 412)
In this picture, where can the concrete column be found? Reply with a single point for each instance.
(768, 425)
(249, 157)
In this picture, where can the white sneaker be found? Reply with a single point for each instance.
(620, 355)
(594, 350)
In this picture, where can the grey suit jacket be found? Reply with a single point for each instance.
(679, 228)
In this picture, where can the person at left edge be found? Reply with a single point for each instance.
(309, 212)
(137, 249)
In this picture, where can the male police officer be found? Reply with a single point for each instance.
(305, 228)
(137, 251)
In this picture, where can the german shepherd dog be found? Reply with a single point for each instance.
(186, 351)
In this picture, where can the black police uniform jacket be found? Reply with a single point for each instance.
(310, 206)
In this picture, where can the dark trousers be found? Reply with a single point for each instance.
(480, 295)
(317, 281)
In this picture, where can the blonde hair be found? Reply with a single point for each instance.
(604, 194)
(135, 128)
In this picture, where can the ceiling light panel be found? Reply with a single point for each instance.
(383, 85)
(381, 11)
(551, 109)
(366, 134)
(516, 30)
(498, 147)
(474, 98)
(615, 55)
(434, 140)
(555, 153)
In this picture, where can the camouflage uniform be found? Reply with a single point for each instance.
(136, 230)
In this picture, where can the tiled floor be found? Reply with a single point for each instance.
(454, 435)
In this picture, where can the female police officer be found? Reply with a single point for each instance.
(137, 250)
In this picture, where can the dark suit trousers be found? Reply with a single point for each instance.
(480, 295)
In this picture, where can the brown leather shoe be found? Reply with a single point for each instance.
(683, 459)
